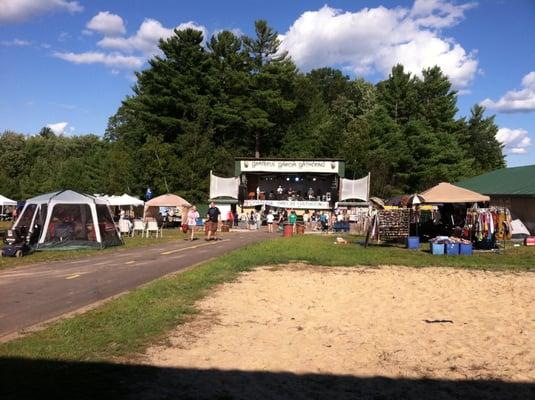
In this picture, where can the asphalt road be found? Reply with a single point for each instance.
(33, 294)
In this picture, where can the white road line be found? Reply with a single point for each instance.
(73, 276)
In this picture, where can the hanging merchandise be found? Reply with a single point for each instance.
(486, 225)
(393, 224)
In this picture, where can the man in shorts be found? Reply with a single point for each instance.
(213, 221)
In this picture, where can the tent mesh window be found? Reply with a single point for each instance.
(71, 224)
(26, 217)
(108, 232)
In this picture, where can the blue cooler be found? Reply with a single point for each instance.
(465, 249)
(413, 242)
(437, 249)
(452, 249)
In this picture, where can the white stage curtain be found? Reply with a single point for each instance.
(223, 187)
(355, 189)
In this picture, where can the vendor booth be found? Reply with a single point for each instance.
(166, 207)
(132, 205)
(68, 220)
(463, 217)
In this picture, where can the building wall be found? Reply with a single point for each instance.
(521, 207)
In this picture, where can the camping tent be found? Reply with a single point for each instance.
(67, 219)
(165, 200)
(447, 193)
(4, 201)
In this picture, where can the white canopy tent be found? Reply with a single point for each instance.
(124, 200)
(67, 219)
(4, 202)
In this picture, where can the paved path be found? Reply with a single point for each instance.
(34, 294)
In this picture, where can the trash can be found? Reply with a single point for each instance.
(287, 230)
(300, 229)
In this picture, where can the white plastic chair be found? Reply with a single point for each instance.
(124, 226)
(152, 226)
(138, 226)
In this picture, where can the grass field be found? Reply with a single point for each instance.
(121, 329)
(116, 329)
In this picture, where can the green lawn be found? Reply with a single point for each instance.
(127, 325)
(121, 329)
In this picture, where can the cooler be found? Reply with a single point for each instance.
(451, 249)
(437, 249)
(465, 249)
(413, 242)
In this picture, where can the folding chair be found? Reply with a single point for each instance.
(138, 226)
(124, 226)
(152, 226)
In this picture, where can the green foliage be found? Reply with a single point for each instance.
(198, 106)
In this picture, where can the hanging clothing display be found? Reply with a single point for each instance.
(488, 224)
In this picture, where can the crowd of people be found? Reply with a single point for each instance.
(311, 220)
(273, 219)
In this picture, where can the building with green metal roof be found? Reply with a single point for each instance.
(513, 188)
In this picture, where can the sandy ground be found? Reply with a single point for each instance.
(402, 323)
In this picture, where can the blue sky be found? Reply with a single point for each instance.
(68, 64)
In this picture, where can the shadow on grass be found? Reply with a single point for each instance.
(28, 379)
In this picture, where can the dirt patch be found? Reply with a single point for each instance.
(395, 322)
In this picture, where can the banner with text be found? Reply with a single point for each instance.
(287, 166)
(307, 205)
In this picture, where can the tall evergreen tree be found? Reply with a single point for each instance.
(398, 94)
(481, 143)
(272, 88)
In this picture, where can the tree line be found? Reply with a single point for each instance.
(199, 105)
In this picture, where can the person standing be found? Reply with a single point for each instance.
(193, 215)
(292, 219)
(213, 221)
(269, 219)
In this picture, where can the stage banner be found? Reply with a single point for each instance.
(288, 166)
(301, 205)
(355, 189)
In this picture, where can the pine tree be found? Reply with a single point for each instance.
(481, 143)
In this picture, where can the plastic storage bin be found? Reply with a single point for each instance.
(437, 249)
(465, 249)
(413, 242)
(451, 249)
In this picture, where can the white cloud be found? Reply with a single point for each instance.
(126, 52)
(15, 42)
(58, 128)
(64, 36)
(19, 10)
(515, 141)
(438, 13)
(107, 24)
(114, 60)
(375, 39)
(147, 37)
(522, 100)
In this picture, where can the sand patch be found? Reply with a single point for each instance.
(439, 323)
